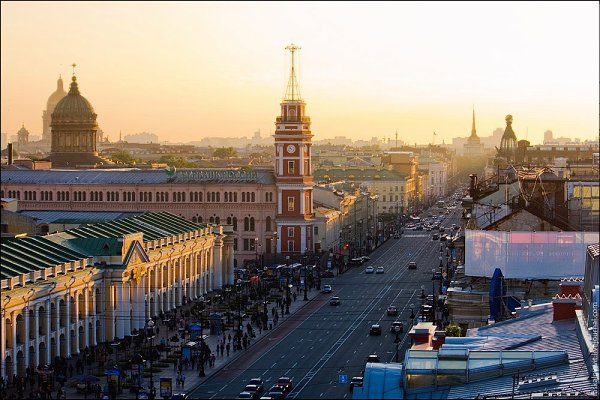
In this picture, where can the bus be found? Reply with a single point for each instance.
(440, 204)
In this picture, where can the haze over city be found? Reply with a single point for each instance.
(185, 71)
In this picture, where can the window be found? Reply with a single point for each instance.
(235, 244)
(268, 224)
(235, 224)
(228, 218)
(253, 195)
(291, 167)
(290, 204)
(290, 231)
(316, 230)
(246, 224)
(252, 223)
(290, 245)
(243, 197)
(246, 244)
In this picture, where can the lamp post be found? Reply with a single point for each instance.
(422, 292)
(397, 340)
(433, 292)
(150, 336)
(287, 286)
(360, 237)
(305, 267)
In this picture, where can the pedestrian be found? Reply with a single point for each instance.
(213, 359)
(294, 296)
(70, 370)
(229, 337)
(227, 347)
(182, 381)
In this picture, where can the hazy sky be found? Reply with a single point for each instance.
(194, 69)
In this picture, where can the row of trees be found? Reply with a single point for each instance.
(125, 157)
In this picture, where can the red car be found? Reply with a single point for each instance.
(285, 383)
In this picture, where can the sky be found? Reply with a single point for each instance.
(188, 70)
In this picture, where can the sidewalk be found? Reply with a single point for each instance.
(192, 380)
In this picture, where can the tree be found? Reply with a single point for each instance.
(453, 330)
(123, 157)
(225, 152)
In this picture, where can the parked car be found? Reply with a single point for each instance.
(412, 265)
(326, 289)
(369, 270)
(397, 324)
(392, 310)
(435, 236)
(379, 270)
(356, 381)
(375, 330)
(335, 301)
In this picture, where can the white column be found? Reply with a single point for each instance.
(76, 297)
(86, 317)
(302, 238)
(280, 159)
(48, 332)
(94, 318)
(127, 308)
(218, 264)
(57, 338)
(120, 333)
(167, 286)
(301, 160)
(26, 338)
(68, 329)
(302, 204)
(279, 202)
(279, 239)
(181, 282)
(3, 346)
(13, 318)
(36, 310)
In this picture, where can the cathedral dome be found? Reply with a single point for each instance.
(57, 96)
(73, 107)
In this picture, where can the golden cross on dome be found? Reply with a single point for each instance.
(73, 65)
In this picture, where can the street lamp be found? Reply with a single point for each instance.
(422, 292)
(397, 340)
(305, 274)
(433, 292)
(150, 336)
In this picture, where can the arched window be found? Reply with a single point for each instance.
(243, 197)
(246, 224)
(117, 194)
(212, 220)
(217, 220)
(235, 197)
(226, 195)
(133, 196)
(268, 224)
(84, 199)
(194, 219)
(67, 195)
(166, 196)
(218, 197)
(235, 224)
(228, 219)
(253, 197)
(199, 220)
(200, 197)
(252, 223)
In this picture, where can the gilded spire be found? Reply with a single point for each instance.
(473, 130)
(292, 92)
(74, 88)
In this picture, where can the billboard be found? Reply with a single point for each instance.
(527, 255)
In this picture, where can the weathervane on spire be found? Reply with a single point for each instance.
(73, 65)
(292, 92)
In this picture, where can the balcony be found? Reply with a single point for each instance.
(294, 119)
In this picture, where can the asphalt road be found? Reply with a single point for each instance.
(322, 342)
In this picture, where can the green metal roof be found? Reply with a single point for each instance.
(358, 174)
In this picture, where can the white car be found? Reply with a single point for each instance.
(379, 270)
(369, 270)
(326, 289)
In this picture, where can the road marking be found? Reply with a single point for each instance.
(265, 372)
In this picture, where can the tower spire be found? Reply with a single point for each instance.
(473, 131)
(292, 93)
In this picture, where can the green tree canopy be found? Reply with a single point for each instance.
(122, 157)
(225, 152)
(453, 330)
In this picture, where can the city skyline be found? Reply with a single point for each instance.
(366, 81)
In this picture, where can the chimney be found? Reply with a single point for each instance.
(564, 306)
(571, 286)
(9, 149)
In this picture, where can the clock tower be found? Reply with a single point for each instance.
(293, 172)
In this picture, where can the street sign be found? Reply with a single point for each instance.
(343, 378)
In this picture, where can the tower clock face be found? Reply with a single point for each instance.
(291, 148)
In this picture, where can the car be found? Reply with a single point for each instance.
(442, 229)
(254, 389)
(379, 270)
(454, 226)
(246, 395)
(369, 270)
(285, 382)
(419, 228)
(179, 396)
(258, 382)
(356, 381)
(428, 228)
(392, 310)
(435, 236)
(276, 392)
(375, 330)
(326, 289)
(396, 236)
(335, 301)
(412, 265)
(373, 358)
(443, 238)
(398, 324)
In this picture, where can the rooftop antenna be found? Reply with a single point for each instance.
(292, 92)
(396, 139)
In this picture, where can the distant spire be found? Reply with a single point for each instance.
(292, 93)
(59, 83)
(473, 130)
